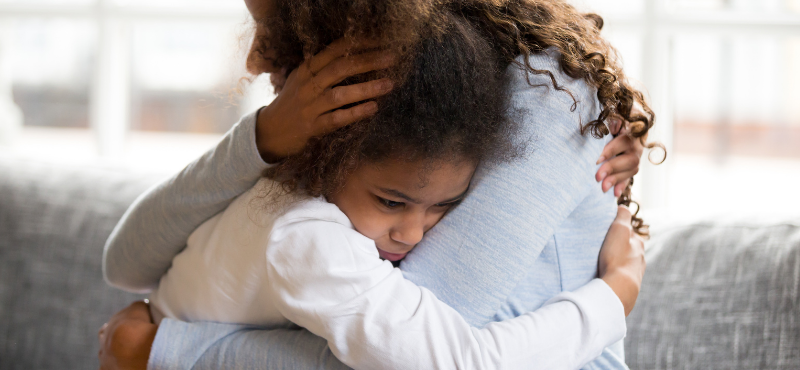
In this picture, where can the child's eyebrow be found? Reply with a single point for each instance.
(455, 199)
(399, 194)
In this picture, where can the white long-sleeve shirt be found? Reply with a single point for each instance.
(270, 259)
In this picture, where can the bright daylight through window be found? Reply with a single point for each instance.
(152, 84)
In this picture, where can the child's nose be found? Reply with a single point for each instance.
(409, 233)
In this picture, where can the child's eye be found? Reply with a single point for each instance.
(389, 203)
(449, 204)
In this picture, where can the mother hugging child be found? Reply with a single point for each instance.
(426, 201)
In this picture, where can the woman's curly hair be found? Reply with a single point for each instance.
(513, 28)
(452, 105)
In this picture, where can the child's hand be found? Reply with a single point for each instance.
(621, 156)
(308, 104)
(621, 264)
(126, 338)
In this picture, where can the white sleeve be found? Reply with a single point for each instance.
(329, 279)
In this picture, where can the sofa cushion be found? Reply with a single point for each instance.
(54, 221)
(719, 296)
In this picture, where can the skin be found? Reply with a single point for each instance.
(395, 203)
(307, 106)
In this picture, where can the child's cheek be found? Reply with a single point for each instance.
(372, 224)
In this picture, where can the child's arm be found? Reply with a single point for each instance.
(156, 226)
(328, 279)
(480, 251)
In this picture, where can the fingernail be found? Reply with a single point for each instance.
(602, 176)
(606, 186)
(601, 159)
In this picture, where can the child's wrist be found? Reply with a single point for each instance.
(625, 285)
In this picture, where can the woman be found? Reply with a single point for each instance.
(495, 293)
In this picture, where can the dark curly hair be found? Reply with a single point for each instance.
(513, 27)
(452, 105)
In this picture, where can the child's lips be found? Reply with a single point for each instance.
(391, 256)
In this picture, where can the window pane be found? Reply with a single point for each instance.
(185, 76)
(48, 2)
(191, 4)
(764, 6)
(793, 6)
(611, 7)
(737, 124)
(51, 63)
(737, 96)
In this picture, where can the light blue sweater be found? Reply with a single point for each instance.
(527, 231)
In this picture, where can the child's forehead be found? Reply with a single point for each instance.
(419, 177)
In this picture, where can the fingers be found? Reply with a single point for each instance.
(343, 95)
(613, 180)
(627, 163)
(616, 146)
(614, 124)
(336, 50)
(620, 187)
(342, 117)
(342, 68)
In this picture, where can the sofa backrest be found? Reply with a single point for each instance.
(54, 222)
(719, 296)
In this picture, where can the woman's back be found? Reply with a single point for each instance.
(551, 235)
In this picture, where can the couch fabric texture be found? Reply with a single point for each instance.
(54, 221)
(715, 296)
(719, 296)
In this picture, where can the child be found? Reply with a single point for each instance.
(368, 191)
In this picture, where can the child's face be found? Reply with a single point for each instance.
(394, 202)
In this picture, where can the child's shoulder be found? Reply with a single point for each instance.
(269, 200)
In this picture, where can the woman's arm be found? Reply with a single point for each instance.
(158, 223)
(156, 226)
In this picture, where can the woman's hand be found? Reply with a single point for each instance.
(126, 338)
(621, 264)
(308, 104)
(621, 156)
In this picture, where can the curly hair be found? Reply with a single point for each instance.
(514, 28)
(452, 105)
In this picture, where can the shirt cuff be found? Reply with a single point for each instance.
(602, 308)
(179, 345)
(245, 133)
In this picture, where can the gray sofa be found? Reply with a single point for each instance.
(716, 296)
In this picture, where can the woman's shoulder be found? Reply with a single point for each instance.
(547, 61)
(536, 100)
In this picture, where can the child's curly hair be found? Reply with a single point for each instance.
(452, 105)
(513, 27)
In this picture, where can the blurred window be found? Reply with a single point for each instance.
(51, 62)
(133, 76)
(724, 79)
(185, 76)
(116, 72)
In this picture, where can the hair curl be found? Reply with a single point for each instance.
(513, 27)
